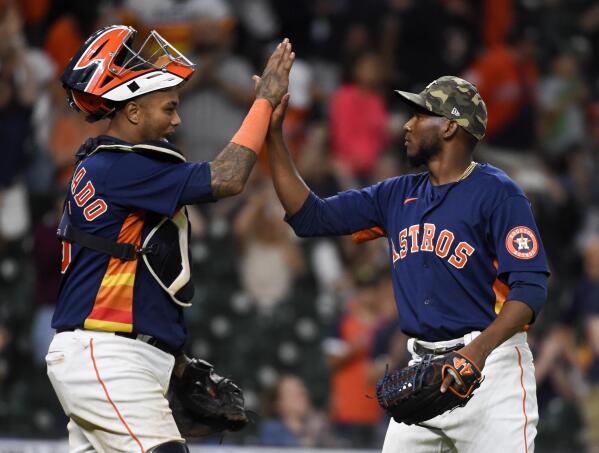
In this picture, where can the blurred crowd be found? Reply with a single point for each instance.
(308, 326)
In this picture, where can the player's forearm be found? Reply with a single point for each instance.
(513, 317)
(230, 170)
(289, 185)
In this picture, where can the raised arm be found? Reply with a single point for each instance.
(231, 168)
(291, 188)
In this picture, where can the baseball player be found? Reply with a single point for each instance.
(468, 266)
(125, 262)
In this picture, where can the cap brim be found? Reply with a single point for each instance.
(414, 100)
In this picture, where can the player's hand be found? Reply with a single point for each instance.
(274, 82)
(475, 356)
(278, 115)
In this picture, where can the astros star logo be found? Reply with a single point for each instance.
(521, 242)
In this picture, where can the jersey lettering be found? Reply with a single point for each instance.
(394, 253)
(441, 247)
(444, 242)
(85, 194)
(95, 210)
(97, 207)
(403, 243)
(77, 179)
(414, 230)
(461, 254)
(427, 237)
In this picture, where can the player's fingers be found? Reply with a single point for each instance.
(285, 50)
(256, 80)
(286, 57)
(288, 62)
(282, 107)
(446, 382)
(275, 57)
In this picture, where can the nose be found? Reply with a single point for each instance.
(408, 126)
(176, 120)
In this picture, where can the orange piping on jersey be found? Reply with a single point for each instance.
(523, 399)
(118, 413)
(113, 308)
(500, 289)
(368, 235)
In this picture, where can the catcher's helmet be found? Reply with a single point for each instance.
(106, 70)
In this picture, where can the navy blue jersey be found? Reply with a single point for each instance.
(121, 196)
(451, 246)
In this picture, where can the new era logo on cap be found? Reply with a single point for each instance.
(455, 112)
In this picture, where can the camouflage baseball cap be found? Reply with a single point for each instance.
(455, 99)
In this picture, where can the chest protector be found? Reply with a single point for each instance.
(165, 240)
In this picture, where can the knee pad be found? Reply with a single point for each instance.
(170, 447)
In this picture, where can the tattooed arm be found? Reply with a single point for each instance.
(231, 169)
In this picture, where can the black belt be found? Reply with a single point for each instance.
(423, 350)
(152, 341)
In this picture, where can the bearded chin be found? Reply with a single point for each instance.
(424, 155)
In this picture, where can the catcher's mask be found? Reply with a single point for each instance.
(106, 70)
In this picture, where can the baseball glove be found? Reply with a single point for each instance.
(413, 394)
(204, 403)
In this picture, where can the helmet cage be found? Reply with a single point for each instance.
(155, 52)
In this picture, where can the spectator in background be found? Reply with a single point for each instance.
(293, 422)
(561, 97)
(355, 415)
(410, 22)
(217, 97)
(583, 316)
(506, 76)
(18, 92)
(177, 21)
(46, 253)
(75, 21)
(359, 118)
(270, 259)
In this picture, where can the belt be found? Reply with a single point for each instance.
(152, 341)
(423, 350)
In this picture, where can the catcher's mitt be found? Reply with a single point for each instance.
(204, 403)
(413, 394)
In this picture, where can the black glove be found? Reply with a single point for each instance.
(413, 394)
(204, 403)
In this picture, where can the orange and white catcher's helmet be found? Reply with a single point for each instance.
(107, 71)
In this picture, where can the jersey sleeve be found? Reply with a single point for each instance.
(344, 213)
(517, 241)
(143, 183)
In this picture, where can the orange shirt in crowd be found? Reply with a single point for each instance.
(503, 83)
(350, 387)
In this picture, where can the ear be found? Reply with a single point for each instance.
(449, 129)
(133, 112)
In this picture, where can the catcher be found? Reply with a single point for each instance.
(469, 272)
(125, 262)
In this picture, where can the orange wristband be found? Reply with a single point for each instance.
(253, 130)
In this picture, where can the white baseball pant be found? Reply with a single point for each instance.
(113, 390)
(501, 417)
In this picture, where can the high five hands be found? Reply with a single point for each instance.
(274, 82)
